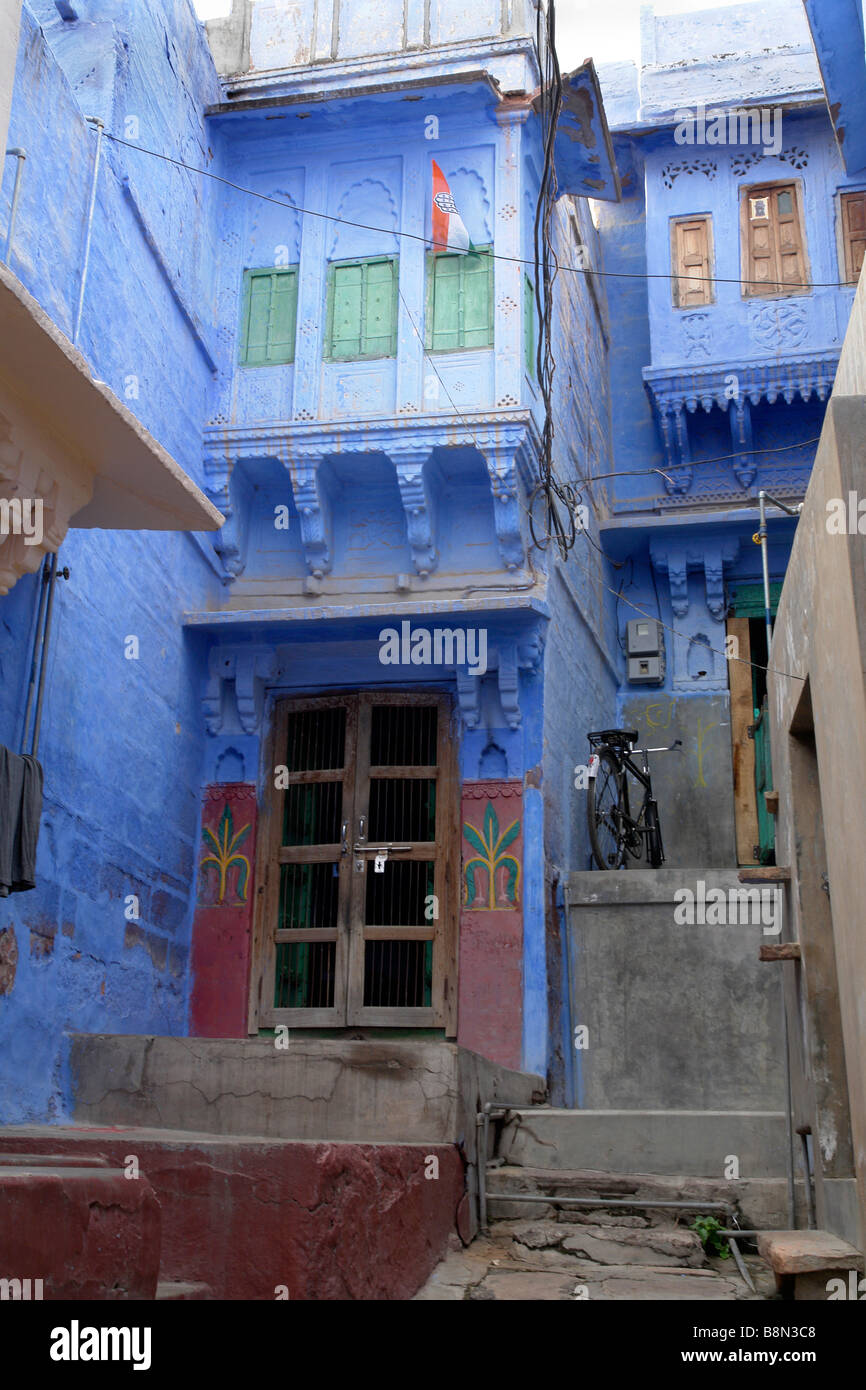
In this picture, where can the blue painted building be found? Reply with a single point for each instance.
(317, 772)
(739, 240)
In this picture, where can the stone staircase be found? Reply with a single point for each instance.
(329, 1169)
(615, 1252)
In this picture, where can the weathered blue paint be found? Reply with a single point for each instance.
(122, 740)
(837, 33)
(406, 479)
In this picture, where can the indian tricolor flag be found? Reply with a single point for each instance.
(449, 229)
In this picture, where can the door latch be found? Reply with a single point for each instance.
(379, 862)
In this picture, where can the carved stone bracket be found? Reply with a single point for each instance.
(250, 668)
(413, 463)
(469, 698)
(502, 456)
(313, 503)
(222, 487)
(506, 660)
(509, 685)
(676, 559)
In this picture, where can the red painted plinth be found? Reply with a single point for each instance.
(92, 1234)
(265, 1218)
(222, 928)
(490, 1009)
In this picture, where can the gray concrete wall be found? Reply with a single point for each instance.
(334, 1089)
(820, 705)
(693, 784)
(679, 1017)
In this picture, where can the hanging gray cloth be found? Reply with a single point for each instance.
(20, 813)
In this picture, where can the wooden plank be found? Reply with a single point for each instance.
(742, 747)
(782, 950)
(771, 873)
(448, 835)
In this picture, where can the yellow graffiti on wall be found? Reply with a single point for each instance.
(703, 730)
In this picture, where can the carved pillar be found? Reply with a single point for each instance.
(740, 415)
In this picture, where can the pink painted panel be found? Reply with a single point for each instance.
(490, 991)
(222, 927)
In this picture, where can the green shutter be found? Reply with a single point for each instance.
(476, 306)
(346, 312)
(362, 309)
(284, 308)
(269, 317)
(529, 325)
(446, 303)
(460, 301)
(379, 310)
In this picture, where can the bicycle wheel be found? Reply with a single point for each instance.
(655, 852)
(604, 808)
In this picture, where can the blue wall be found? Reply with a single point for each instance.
(122, 741)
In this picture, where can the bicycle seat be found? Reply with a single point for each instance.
(617, 738)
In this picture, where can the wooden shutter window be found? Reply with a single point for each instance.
(460, 301)
(691, 262)
(853, 233)
(362, 309)
(774, 253)
(269, 317)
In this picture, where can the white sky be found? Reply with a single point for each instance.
(601, 29)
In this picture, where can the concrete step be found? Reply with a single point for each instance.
(82, 1230)
(610, 1243)
(760, 1203)
(340, 1089)
(691, 1143)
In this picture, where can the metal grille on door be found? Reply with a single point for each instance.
(357, 902)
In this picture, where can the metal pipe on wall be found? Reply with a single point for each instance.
(20, 155)
(99, 125)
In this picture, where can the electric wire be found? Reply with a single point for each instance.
(496, 255)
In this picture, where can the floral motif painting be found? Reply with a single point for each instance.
(491, 876)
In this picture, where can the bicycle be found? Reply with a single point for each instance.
(613, 832)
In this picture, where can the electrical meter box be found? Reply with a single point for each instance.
(645, 650)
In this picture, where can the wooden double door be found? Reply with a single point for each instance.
(357, 903)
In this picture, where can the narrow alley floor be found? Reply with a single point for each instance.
(598, 1256)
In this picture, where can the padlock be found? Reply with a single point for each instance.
(379, 863)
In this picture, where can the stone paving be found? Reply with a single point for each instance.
(598, 1257)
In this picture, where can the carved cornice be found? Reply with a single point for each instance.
(734, 388)
(507, 440)
(719, 385)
